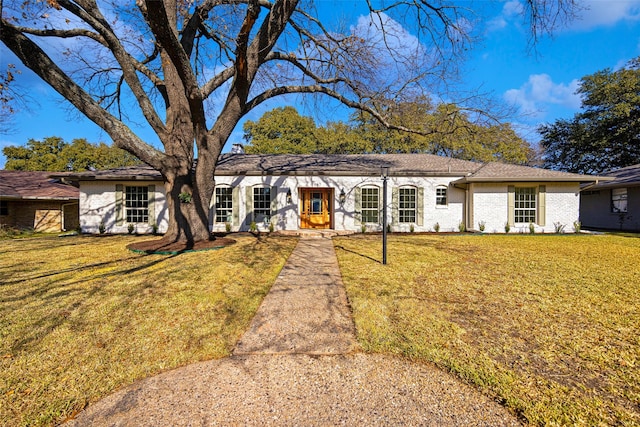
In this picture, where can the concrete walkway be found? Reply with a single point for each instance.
(306, 311)
(299, 364)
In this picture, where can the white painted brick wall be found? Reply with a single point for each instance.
(98, 204)
(448, 217)
(491, 206)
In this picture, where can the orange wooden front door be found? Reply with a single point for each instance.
(315, 207)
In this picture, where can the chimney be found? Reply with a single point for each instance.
(237, 148)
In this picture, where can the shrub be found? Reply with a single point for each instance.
(363, 228)
(558, 227)
(482, 225)
(102, 228)
(253, 227)
(271, 227)
(227, 227)
(155, 228)
(130, 228)
(412, 228)
(507, 227)
(436, 227)
(461, 227)
(577, 226)
(532, 228)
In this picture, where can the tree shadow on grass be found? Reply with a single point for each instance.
(47, 297)
(359, 254)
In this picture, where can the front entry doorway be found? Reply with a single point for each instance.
(316, 207)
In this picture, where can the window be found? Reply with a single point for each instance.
(370, 205)
(4, 208)
(262, 204)
(224, 204)
(619, 200)
(407, 205)
(136, 204)
(441, 196)
(525, 205)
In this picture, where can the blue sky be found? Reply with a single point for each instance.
(541, 84)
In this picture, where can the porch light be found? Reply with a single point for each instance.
(289, 199)
(342, 197)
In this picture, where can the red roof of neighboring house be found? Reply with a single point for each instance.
(34, 185)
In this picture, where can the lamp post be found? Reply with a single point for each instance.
(385, 174)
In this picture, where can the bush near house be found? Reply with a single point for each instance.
(546, 324)
(83, 316)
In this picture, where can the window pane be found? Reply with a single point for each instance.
(262, 204)
(619, 200)
(525, 205)
(441, 196)
(224, 204)
(316, 203)
(137, 204)
(407, 205)
(370, 205)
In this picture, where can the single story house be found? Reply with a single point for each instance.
(613, 205)
(344, 192)
(33, 200)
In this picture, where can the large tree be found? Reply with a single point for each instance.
(605, 135)
(193, 69)
(55, 154)
(281, 130)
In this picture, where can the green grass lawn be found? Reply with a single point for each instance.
(83, 316)
(549, 325)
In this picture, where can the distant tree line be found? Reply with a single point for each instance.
(448, 131)
(56, 155)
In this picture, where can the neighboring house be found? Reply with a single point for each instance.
(344, 192)
(33, 200)
(613, 205)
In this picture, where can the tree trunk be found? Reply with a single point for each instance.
(188, 210)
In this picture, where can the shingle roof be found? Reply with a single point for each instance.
(502, 172)
(354, 164)
(343, 164)
(34, 185)
(624, 177)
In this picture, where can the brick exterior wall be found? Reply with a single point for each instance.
(490, 204)
(41, 215)
(486, 202)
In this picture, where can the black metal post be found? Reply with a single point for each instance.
(385, 172)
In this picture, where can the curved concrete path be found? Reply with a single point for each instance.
(298, 364)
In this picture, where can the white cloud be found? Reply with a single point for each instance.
(512, 8)
(386, 33)
(598, 13)
(592, 13)
(510, 11)
(540, 91)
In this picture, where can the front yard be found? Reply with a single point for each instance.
(547, 324)
(83, 316)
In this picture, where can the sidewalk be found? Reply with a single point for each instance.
(298, 364)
